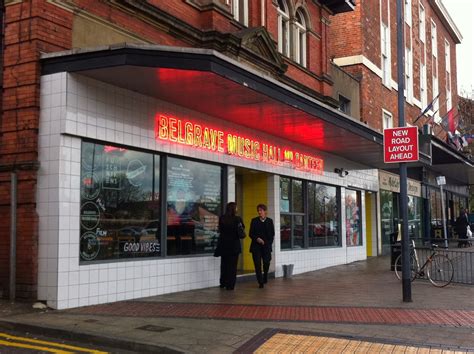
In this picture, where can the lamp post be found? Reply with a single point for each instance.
(406, 281)
(441, 181)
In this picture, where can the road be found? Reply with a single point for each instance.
(11, 342)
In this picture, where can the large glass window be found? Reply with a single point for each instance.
(414, 217)
(120, 203)
(353, 218)
(323, 215)
(292, 216)
(309, 214)
(194, 202)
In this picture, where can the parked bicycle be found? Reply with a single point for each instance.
(438, 267)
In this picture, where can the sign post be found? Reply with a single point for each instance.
(441, 181)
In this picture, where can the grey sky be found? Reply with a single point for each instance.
(462, 13)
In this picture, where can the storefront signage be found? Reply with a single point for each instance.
(189, 133)
(400, 144)
(391, 182)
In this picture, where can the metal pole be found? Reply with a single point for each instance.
(406, 283)
(445, 230)
(13, 198)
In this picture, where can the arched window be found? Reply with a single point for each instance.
(300, 38)
(283, 28)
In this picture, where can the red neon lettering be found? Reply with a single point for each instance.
(191, 134)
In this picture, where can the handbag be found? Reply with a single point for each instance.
(241, 231)
(217, 250)
(469, 232)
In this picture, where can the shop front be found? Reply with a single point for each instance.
(137, 163)
(390, 210)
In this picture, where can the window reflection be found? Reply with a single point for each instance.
(193, 206)
(353, 218)
(323, 223)
(120, 206)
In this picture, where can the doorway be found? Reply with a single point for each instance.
(250, 190)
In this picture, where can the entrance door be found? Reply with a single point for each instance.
(251, 190)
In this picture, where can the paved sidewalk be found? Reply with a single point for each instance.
(360, 301)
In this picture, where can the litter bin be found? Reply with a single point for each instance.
(288, 270)
(395, 249)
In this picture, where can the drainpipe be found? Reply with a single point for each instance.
(13, 197)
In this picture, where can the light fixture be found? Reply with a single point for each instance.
(341, 172)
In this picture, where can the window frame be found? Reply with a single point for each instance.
(386, 113)
(237, 5)
(359, 206)
(300, 34)
(385, 54)
(408, 12)
(422, 23)
(305, 214)
(283, 28)
(163, 198)
(346, 102)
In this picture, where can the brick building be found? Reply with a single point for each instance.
(130, 124)
(370, 54)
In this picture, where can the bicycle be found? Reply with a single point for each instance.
(439, 268)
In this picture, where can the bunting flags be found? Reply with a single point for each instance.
(450, 122)
(427, 108)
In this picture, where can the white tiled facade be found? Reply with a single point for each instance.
(75, 107)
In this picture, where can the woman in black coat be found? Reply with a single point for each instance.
(461, 228)
(229, 246)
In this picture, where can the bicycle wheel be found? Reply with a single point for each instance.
(440, 270)
(398, 267)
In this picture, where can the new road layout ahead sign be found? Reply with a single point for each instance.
(400, 144)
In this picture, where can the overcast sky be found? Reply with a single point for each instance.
(462, 13)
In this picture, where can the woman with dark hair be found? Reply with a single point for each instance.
(229, 246)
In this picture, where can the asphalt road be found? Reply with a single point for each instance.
(22, 343)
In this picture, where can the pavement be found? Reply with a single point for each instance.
(347, 308)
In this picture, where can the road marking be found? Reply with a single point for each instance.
(51, 344)
(36, 347)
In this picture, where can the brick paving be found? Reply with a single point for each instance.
(360, 301)
(273, 340)
(284, 313)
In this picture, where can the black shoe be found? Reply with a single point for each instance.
(260, 285)
(222, 286)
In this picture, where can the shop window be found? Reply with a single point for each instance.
(292, 213)
(414, 218)
(323, 215)
(353, 218)
(194, 202)
(120, 203)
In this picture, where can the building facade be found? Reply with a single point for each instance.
(370, 54)
(129, 125)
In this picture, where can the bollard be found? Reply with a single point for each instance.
(288, 270)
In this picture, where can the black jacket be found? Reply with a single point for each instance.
(265, 230)
(229, 241)
(461, 226)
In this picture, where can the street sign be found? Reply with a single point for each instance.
(400, 144)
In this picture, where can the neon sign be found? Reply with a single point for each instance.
(189, 133)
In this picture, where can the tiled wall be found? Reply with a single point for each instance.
(72, 107)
